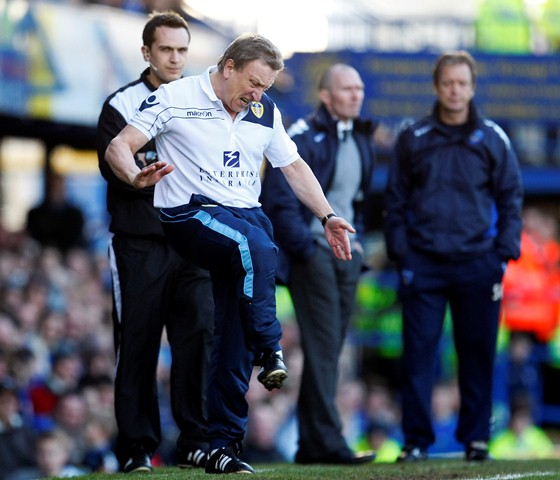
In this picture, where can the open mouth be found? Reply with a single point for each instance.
(246, 101)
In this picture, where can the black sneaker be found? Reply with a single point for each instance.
(224, 460)
(191, 458)
(138, 462)
(477, 451)
(273, 372)
(412, 453)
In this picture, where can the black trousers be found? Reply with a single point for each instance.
(472, 291)
(154, 288)
(323, 290)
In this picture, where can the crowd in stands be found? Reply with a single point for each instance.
(57, 367)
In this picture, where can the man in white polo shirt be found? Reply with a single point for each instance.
(212, 132)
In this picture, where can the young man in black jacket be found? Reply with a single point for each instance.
(453, 221)
(338, 146)
(152, 286)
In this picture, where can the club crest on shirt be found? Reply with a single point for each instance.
(149, 102)
(476, 136)
(258, 109)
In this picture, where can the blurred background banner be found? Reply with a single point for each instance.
(510, 88)
(58, 62)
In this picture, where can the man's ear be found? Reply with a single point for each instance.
(229, 66)
(324, 96)
(146, 53)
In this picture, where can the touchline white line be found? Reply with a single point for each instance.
(515, 476)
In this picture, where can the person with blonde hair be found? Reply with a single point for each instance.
(212, 132)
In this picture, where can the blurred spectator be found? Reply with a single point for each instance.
(531, 301)
(523, 379)
(50, 335)
(70, 417)
(64, 378)
(381, 407)
(445, 414)
(99, 394)
(15, 434)
(22, 370)
(382, 433)
(165, 5)
(350, 401)
(548, 24)
(503, 26)
(52, 459)
(260, 443)
(10, 240)
(285, 400)
(99, 435)
(4, 364)
(10, 338)
(378, 438)
(522, 439)
(99, 366)
(56, 222)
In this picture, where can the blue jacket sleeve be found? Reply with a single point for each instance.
(508, 192)
(291, 230)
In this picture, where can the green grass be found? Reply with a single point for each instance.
(429, 470)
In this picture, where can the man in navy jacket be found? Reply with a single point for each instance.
(338, 146)
(452, 222)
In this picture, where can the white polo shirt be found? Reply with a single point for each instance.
(213, 155)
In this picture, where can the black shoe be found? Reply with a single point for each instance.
(224, 460)
(138, 462)
(411, 453)
(273, 372)
(477, 452)
(338, 458)
(191, 458)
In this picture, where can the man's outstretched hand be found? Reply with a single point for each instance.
(151, 174)
(336, 233)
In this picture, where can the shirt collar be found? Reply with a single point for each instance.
(342, 127)
(207, 84)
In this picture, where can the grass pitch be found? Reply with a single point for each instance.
(429, 470)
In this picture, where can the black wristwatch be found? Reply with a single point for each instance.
(326, 217)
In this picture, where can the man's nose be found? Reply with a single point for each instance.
(257, 94)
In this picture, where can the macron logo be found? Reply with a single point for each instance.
(149, 102)
(231, 159)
